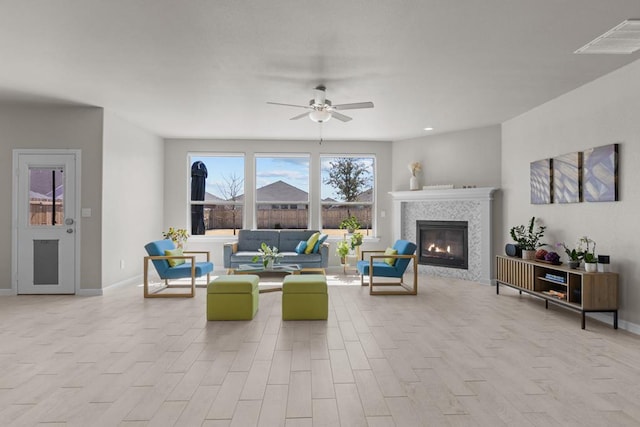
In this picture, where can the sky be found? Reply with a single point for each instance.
(292, 170)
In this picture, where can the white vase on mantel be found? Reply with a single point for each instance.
(414, 184)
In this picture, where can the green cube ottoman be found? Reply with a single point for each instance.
(305, 297)
(233, 297)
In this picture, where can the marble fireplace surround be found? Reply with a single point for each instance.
(473, 205)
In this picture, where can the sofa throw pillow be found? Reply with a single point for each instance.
(301, 247)
(319, 243)
(311, 243)
(390, 261)
(174, 252)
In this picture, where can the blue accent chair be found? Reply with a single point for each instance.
(190, 268)
(375, 266)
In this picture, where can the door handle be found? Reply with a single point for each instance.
(69, 230)
(68, 221)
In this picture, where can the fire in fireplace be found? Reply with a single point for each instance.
(443, 243)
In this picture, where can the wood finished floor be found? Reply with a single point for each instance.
(454, 355)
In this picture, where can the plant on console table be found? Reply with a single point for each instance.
(575, 256)
(268, 255)
(588, 248)
(528, 237)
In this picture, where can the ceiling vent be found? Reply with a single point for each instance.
(621, 39)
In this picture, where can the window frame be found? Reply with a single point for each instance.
(372, 232)
(280, 203)
(241, 204)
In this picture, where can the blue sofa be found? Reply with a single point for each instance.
(249, 241)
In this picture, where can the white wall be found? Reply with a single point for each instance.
(55, 127)
(602, 112)
(132, 197)
(469, 157)
(178, 180)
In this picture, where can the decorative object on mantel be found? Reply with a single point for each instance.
(528, 238)
(438, 187)
(414, 167)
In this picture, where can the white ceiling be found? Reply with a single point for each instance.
(205, 68)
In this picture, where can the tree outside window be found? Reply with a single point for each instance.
(347, 190)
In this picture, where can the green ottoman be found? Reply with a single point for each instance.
(304, 297)
(233, 297)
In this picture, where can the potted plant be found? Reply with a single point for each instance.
(178, 235)
(588, 248)
(356, 240)
(528, 238)
(350, 224)
(574, 255)
(342, 250)
(268, 255)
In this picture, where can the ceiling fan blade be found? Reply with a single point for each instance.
(299, 116)
(353, 106)
(289, 105)
(340, 117)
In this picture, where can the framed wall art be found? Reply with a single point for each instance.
(600, 174)
(541, 179)
(567, 178)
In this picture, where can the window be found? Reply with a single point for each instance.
(347, 190)
(217, 194)
(282, 191)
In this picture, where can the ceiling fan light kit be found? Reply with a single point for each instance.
(321, 110)
(320, 116)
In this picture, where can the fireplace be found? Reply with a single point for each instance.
(443, 243)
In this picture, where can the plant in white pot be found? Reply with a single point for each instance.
(588, 248)
(528, 238)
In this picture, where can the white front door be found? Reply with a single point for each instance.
(45, 216)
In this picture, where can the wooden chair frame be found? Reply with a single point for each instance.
(407, 288)
(158, 294)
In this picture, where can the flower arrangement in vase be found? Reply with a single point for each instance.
(528, 238)
(178, 235)
(588, 247)
(414, 168)
(268, 255)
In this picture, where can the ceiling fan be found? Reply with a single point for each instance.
(321, 109)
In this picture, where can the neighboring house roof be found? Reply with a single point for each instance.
(365, 196)
(40, 185)
(208, 197)
(280, 191)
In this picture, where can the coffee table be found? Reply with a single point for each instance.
(260, 268)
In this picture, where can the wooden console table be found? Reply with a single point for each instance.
(573, 289)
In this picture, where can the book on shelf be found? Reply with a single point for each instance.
(555, 294)
(555, 277)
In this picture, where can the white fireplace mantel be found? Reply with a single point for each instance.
(450, 204)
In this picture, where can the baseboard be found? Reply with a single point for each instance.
(135, 280)
(89, 292)
(7, 292)
(622, 324)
